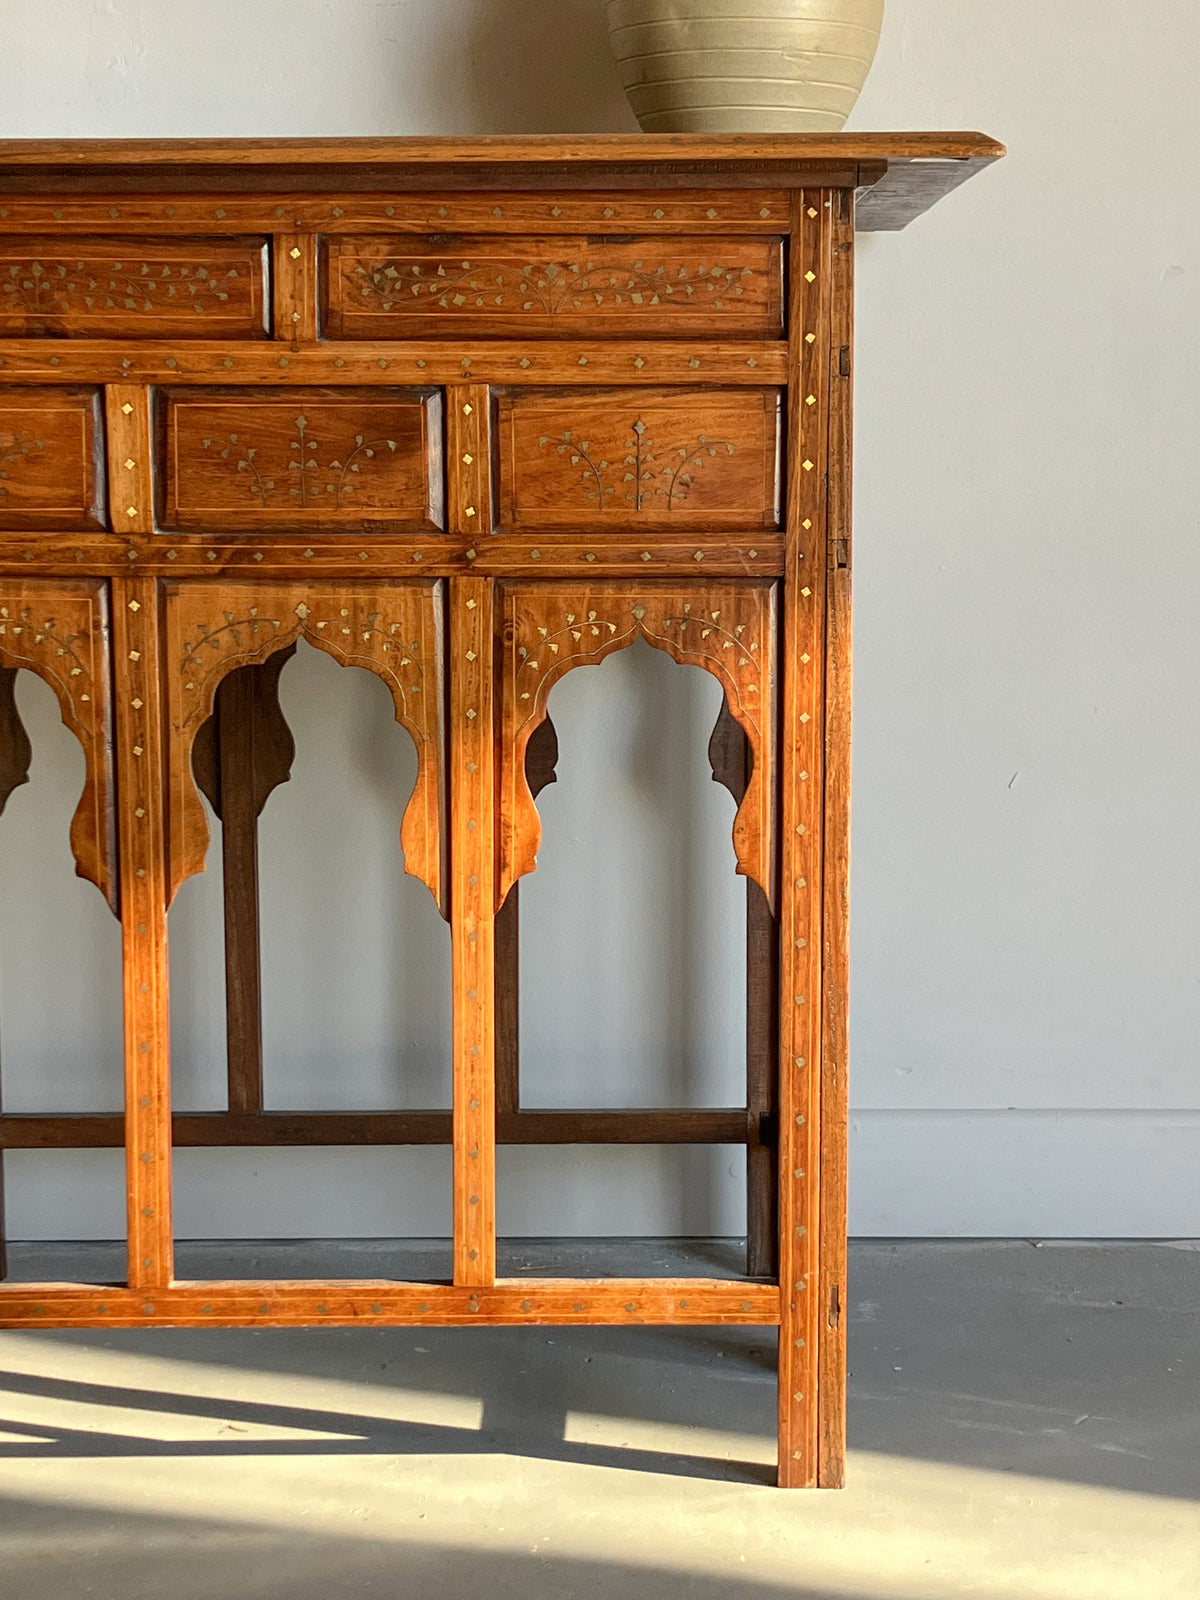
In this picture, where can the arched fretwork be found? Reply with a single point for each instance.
(725, 628)
(391, 628)
(60, 632)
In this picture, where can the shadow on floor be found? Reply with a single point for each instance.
(1070, 1363)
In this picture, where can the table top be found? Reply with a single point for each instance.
(899, 175)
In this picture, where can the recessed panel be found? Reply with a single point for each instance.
(50, 471)
(352, 460)
(595, 459)
(140, 288)
(441, 286)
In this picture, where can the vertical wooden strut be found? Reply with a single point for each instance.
(141, 834)
(831, 1403)
(472, 844)
(472, 928)
(240, 756)
(801, 825)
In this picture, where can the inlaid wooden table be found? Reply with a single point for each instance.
(467, 414)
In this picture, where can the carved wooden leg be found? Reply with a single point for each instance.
(834, 1100)
(241, 755)
(801, 878)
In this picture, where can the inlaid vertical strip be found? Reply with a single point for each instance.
(141, 833)
(831, 1405)
(801, 837)
(127, 427)
(472, 925)
(468, 463)
(294, 286)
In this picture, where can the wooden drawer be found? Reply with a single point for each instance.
(140, 288)
(441, 287)
(51, 472)
(352, 460)
(581, 459)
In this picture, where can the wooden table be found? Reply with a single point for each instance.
(467, 414)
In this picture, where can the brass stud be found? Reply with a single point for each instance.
(131, 511)
(806, 591)
(810, 400)
(294, 252)
(812, 211)
(127, 408)
(467, 409)
(468, 460)
(810, 338)
(810, 277)
(808, 466)
(807, 523)
(130, 463)
(804, 717)
(470, 511)
(765, 211)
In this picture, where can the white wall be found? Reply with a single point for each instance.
(1027, 871)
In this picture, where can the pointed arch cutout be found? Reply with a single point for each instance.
(391, 629)
(727, 629)
(59, 631)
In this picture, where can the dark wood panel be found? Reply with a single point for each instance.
(441, 286)
(141, 288)
(339, 459)
(676, 459)
(51, 466)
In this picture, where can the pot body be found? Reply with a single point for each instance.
(743, 66)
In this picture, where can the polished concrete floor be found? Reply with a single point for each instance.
(1024, 1422)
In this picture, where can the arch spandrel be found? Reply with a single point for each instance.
(725, 629)
(391, 629)
(59, 631)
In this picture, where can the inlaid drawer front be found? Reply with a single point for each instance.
(50, 460)
(422, 287)
(607, 458)
(366, 460)
(140, 288)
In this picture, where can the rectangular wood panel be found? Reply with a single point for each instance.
(140, 288)
(601, 460)
(51, 473)
(344, 460)
(445, 286)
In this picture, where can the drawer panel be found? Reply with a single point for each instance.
(136, 288)
(51, 471)
(440, 287)
(579, 459)
(352, 460)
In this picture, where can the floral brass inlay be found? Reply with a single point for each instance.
(308, 480)
(350, 631)
(651, 472)
(547, 287)
(50, 288)
(56, 656)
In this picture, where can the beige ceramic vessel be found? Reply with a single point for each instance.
(743, 66)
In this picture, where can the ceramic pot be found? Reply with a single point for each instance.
(743, 66)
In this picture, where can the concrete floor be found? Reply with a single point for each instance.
(1025, 1421)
